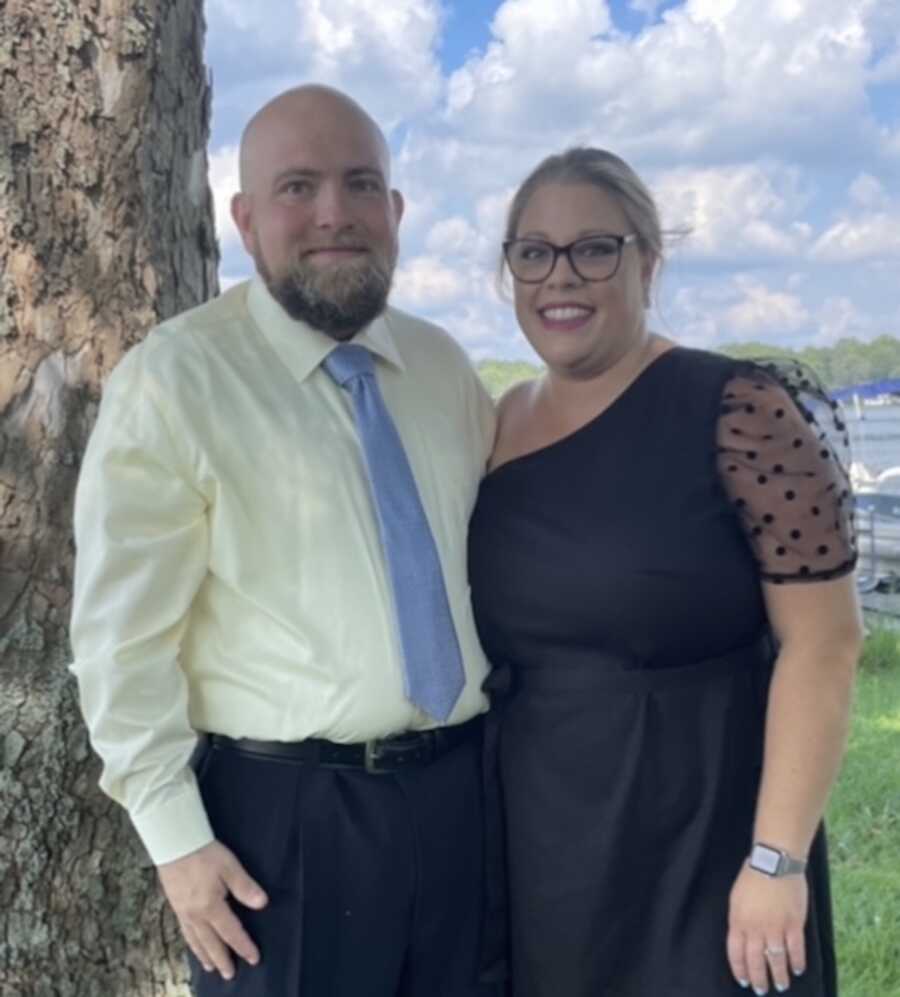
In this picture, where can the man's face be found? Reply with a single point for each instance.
(317, 215)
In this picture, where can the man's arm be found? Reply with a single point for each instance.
(142, 553)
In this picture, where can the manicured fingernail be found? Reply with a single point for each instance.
(744, 983)
(799, 972)
(781, 987)
(760, 992)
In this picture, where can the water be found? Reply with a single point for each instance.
(874, 439)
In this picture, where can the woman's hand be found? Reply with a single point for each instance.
(765, 929)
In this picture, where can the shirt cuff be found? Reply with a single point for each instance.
(176, 829)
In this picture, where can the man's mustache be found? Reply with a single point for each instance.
(355, 244)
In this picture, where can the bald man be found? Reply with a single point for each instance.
(237, 644)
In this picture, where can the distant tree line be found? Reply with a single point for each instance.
(849, 361)
(498, 375)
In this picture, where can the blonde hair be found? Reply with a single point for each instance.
(583, 164)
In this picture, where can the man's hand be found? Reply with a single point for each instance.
(197, 887)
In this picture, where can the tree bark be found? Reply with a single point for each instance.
(105, 228)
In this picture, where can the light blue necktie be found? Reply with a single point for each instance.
(434, 675)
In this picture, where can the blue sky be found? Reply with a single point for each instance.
(768, 128)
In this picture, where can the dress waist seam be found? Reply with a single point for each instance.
(591, 673)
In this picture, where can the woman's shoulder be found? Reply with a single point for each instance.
(515, 400)
(700, 363)
(789, 374)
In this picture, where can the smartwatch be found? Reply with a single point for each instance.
(774, 862)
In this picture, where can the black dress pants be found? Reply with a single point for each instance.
(375, 881)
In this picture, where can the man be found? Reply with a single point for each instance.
(243, 575)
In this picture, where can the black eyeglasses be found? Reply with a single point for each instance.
(593, 258)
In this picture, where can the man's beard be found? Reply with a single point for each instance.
(338, 300)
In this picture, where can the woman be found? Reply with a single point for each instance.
(653, 517)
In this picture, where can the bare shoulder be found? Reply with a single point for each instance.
(514, 402)
(513, 410)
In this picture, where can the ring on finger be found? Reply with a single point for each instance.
(773, 950)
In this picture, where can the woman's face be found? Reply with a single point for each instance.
(580, 328)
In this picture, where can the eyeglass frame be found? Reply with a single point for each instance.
(620, 240)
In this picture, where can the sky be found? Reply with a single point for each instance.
(767, 130)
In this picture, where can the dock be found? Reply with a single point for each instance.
(878, 569)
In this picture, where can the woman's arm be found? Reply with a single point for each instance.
(819, 630)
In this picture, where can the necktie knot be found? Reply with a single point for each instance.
(347, 361)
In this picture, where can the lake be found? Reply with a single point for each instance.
(875, 439)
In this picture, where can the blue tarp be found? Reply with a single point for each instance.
(871, 389)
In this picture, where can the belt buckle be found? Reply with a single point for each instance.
(371, 756)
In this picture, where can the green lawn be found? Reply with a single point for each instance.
(864, 830)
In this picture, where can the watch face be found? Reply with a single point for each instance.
(765, 859)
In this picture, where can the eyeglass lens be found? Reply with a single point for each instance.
(594, 258)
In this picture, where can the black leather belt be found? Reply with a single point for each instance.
(387, 754)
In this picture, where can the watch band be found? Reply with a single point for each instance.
(774, 862)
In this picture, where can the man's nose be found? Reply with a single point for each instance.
(332, 210)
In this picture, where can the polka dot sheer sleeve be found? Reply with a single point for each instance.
(781, 448)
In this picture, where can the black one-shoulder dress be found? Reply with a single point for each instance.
(616, 583)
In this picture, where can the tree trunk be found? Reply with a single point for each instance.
(105, 228)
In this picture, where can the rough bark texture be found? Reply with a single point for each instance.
(105, 228)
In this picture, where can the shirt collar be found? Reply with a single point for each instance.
(302, 348)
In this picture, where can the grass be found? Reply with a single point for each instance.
(864, 830)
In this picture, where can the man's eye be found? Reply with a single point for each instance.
(296, 187)
(592, 248)
(365, 185)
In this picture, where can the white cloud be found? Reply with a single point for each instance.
(224, 181)
(488, 332)
(490, 211)
(375, 50)
(711, 77)
(527, 27)
(476, 241)
(451, 235)
(889, 139)
(762, 311)
(426, 282)
(384, 55)
(741, 307)
(839, 318)
(690, 316)
(867, 237)
(241, 15)
(887, 68)
(734, 212)
(884, 25)
(868, 191)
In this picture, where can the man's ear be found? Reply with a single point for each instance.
(397, 198)
(242, 216)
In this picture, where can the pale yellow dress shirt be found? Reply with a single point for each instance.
(229, 573)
